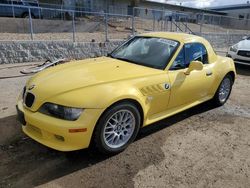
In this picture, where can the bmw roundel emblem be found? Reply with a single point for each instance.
(167, 86)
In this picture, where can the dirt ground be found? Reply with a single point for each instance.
(201, 147)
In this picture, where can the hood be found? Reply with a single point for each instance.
(244, 45)
(79, 74)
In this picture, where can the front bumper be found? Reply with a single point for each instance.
(55, 133)
(239, 59)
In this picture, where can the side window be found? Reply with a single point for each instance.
(4, 2)
(179, 62)
(17, 2)
(196, 52)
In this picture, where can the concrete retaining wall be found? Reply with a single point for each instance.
(31, 51)
(18, 52)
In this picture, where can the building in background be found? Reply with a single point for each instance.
(241, 11)
(124, 6)
(240, 14)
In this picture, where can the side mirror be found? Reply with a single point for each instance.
(194, 65)
(244, 38)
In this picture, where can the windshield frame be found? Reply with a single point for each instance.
(146, 65)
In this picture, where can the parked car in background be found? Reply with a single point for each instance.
(240, 52)
(10, 9)
(106, 100)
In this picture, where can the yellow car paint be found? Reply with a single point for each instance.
(95, 84)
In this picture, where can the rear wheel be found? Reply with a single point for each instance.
(26, 15)
(117, 128)
(224, 90)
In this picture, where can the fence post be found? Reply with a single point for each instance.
(213, 23)
(13, 11)
(202, 19)
(186, 24)
(161, 20)
(62, 12)
(166, 24)
(133, 21)
(31, 25)
(171, 26)
(179, 24)
(154, 22)
(106, 26)
(73, 26)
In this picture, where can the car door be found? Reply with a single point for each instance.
(187, 89)
(6, 11)
(156, 88)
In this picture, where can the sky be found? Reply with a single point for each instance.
(203, 3)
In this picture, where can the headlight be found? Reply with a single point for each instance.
(234, 48)
(60, 111)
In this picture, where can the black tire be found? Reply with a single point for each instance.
(217, 101)
(26, 15)
(99, 129)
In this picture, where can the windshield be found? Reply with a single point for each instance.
(147, 51)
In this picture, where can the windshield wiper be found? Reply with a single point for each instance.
(128, 60)
(131, 61)
(119, 58)
(110, 55)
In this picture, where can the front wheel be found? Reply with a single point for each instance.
(117, 128)
(224, 90)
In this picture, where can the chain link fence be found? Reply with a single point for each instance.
(22, 22)
(40, 23)
(164, 20)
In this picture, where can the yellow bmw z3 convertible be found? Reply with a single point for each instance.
(106, 100)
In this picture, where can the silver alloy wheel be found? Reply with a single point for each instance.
(119, 128)
(224, 90)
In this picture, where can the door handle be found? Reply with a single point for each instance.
(209, 73)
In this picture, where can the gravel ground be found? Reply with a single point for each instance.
(201, 147)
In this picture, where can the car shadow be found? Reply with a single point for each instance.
(26, 163)
(155, 127)
(243, 69)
